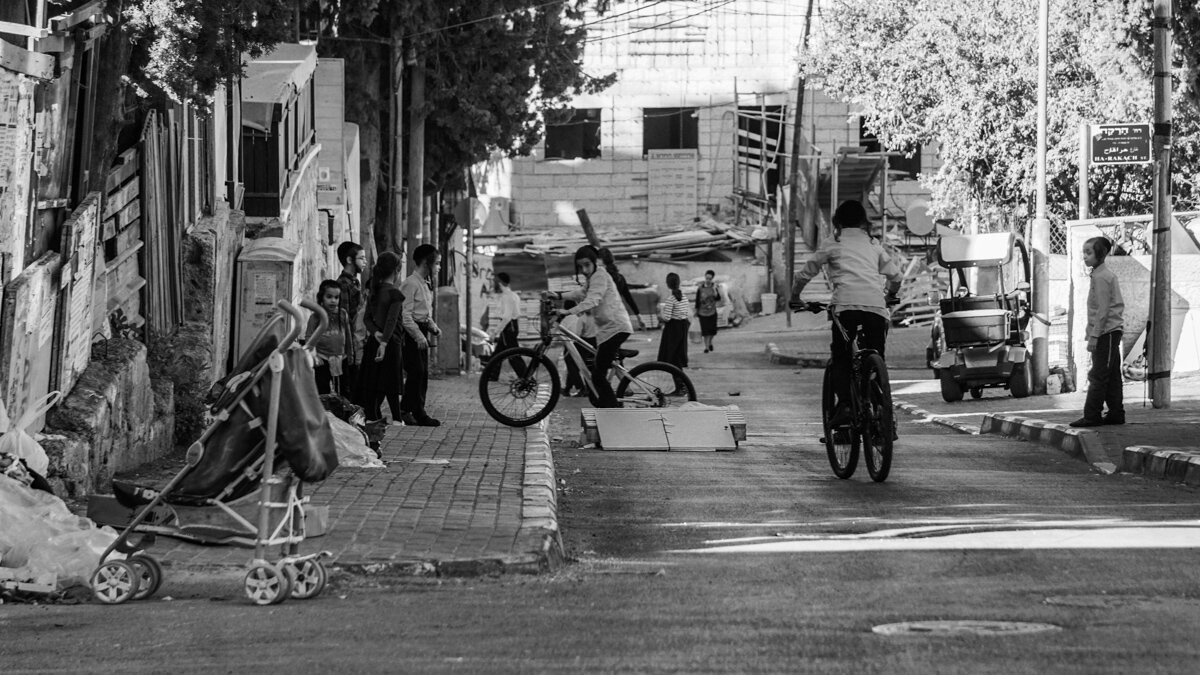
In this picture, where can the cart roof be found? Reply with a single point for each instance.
(975, 250)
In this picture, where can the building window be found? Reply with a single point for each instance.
(870, 143)
(578, 137)
(670, 129)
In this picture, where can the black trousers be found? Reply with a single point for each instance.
(508, 336)
(606, 353)
(1104, 378)
(871, 330)
(416, 374)
(574, 378)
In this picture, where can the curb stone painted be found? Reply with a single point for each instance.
(935, 419)
(1180, 465)
(775, 356)
(1079, 443)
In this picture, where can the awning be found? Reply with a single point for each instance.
(273, 79)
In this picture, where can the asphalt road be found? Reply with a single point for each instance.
(753, 561)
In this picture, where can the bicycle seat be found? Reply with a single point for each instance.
(627, 353)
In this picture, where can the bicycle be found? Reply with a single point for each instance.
(872, 424)
(520, 386)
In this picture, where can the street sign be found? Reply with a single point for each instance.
(1120, 143)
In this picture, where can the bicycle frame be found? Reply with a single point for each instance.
(856, 358)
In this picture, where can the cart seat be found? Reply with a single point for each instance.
(975, 326)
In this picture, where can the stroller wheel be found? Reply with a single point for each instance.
(150, 575)
(114, 582)
(308, 578)
(266, 584)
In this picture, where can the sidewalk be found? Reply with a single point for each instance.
(1160, 443)
(469, 497)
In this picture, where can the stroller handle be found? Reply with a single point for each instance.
(322, 321)
(298, 321)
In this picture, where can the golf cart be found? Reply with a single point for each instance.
(979, 334)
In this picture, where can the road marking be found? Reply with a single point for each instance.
(1099, 534)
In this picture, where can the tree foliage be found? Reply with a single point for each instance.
(494, 68)
(963, 76)
(185, 48)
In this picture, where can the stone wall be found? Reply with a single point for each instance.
(116, 418)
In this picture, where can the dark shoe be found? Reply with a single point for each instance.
(1114, 419)
(409, 419)
(427, 421)
(1086, 422)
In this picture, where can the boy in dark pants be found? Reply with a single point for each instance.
(354, 261)
(1105, 311)
(419, 329)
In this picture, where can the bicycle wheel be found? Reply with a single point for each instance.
(655, 384)
(841, 443)
(877, 414)
(519, 386)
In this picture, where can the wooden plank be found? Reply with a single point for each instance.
(26, 343)
(122, 257)
(117, 200)
(127, 166)
(74, 334)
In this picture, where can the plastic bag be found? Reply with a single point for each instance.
(351, 443)
(16, 440)
(41, 535)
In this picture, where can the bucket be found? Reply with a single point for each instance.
(768, 303)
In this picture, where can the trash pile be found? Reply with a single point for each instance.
(694, 241)
(43, 546)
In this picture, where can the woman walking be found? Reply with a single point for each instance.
(676, 318)
(708, 298)
(384, 333)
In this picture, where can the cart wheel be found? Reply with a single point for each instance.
(976, 392)
(150, 575)
(114, 582)
(308, 578)
(266, 584)
(951, 389)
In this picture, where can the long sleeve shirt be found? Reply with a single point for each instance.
(510, 307)
(857, 264)
(418, 305)
(383, 313)
(600, 296)
(1105, 306)
(671, 309)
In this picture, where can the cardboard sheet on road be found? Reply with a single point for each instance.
(677, 430)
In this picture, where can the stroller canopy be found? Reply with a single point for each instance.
(975, 250)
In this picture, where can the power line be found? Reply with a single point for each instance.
(660, 25)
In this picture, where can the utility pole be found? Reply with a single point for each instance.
(1160, 284)
(1039, 235)
(416, 157)
(793, 214)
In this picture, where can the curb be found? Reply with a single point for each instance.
(1079, 443)
(1180, 465)
(538, 536)
(774, 356)
(935, 419)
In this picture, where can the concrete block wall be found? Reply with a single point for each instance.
(747, 48)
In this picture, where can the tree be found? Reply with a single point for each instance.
(494, 69)
(963, 76)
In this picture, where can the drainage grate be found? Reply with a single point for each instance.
(963, 627)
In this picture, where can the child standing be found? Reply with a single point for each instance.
(1105, 312)
(383, 377)
(331, 344)
(676, 317)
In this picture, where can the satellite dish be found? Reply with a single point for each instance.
(919, 221)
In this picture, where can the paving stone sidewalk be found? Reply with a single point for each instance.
(469, 497)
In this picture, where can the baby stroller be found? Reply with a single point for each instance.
(229, 491)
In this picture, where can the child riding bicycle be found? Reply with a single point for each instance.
(599, 294)
(856, 261)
